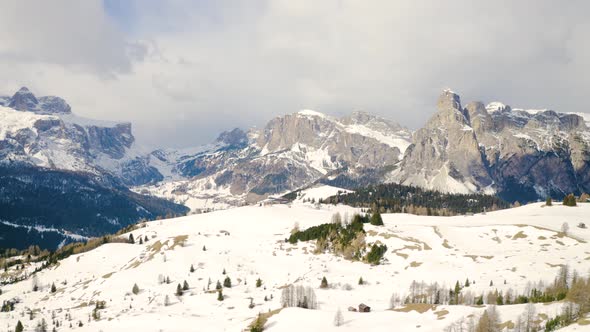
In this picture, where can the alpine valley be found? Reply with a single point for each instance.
(64, 177)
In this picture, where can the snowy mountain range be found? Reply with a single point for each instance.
(290, 152)
(518, 154)
(64, 177)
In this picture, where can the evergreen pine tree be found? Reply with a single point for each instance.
(192, 268)
(479, 300)
(569, 200)
(376, 219)
(548, 201)
(361, 282)
(53, 289)
(220, 295)
(457, 292)
(19, 327)
(258, 282)
(204, 248)
(135, 289)
(218, 286)
(178, 290)
(140, 240)
(467, 284)
(131, 239)
(324, 283)
(185, 286)
(227, 282)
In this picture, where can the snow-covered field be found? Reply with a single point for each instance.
(518, 246)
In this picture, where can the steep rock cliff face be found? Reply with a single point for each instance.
(445, 154)
(520, 154)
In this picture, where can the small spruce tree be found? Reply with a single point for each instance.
(185, 286)
(19, 327)
(220, 295)
(479, 300)
(135, 289)
(569, 200)
(361, 282)
(178, 290)
(227, 282)
(324, 283)
(192, 268)
(548, 201)
(376, 219)
(53, 289)
(131, 239)
(218, 285)
(258, 282)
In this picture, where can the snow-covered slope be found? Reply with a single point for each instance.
(510, 248)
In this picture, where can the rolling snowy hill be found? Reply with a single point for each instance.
(502, 250)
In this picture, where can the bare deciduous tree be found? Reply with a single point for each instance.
(338, 319)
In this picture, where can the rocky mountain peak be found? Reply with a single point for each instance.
(23, 100)
(360, 117)
(449, 113)
(53, 105)
(478, 116)
(23, 90)
(497, 107)
(448, 100)
(233, 138)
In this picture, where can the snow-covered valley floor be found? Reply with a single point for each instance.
(508, 249)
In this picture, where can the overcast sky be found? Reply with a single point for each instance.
(182, 71)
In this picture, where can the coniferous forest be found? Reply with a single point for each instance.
(399, 198)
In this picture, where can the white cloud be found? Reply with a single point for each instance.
(185, 71)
